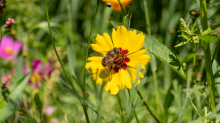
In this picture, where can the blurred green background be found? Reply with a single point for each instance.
(71, 22)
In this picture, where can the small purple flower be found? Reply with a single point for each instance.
(9, 48)
(8, 24)
(39, 72)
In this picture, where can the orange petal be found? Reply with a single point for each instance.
(115, 4)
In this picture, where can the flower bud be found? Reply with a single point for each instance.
(8, 24)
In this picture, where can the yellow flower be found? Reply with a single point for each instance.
(115, 4)
(120, 59)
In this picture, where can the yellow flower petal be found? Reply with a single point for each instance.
(118, 81)
(137, 58)
(122, 37)
(96, 63)
(95, 74)
(115, 4)
(127, 40)
(103, 43)
(114, 37)
(136, 42)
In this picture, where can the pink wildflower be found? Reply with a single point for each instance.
(9, 48)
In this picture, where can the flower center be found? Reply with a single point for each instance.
(8, 50)
(115, 59)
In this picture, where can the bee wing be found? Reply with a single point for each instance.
(104, 73)
(96, 54)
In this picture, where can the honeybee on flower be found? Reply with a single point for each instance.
(121, 56)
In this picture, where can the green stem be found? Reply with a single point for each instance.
(98, 114)
(122, 9)
(87, 50)
(54, 47)
(133, 107)
(153, 59)
(145, 104)
(207, 55)
(122, 115)
(147, 17)
(124, 21)
(84, 74)
(85, 111)
(123, 13)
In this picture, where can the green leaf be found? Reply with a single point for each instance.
(182, 43)
(6, 111)
(20, 85)
(209, 38)
(210, 29)
(19, 68)
(159, 50)
(9, 108)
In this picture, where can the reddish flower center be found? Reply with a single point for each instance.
(116, 59)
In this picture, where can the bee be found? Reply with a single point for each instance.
(108, 59)
(194, 14)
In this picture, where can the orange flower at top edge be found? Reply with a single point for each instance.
(115, 4)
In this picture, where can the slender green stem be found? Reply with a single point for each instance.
(84, 74)
(70, 20)
(145, 104)
(87, 50)
(122, 115)
(86, 113)
(147, 17)
(153, 59)
(54, 47)
(193, 47)
(124, 21)
(123, 13)
(98, 114)
(133, 107)
(207, 55)
(122, 9)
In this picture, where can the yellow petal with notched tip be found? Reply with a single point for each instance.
(118, 81)
(96, 63)
(137, 58)
(103, 43)
(122, 37)
(135, 43)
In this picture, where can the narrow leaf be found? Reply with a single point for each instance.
(20, 85)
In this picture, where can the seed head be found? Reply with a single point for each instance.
(2, 6)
